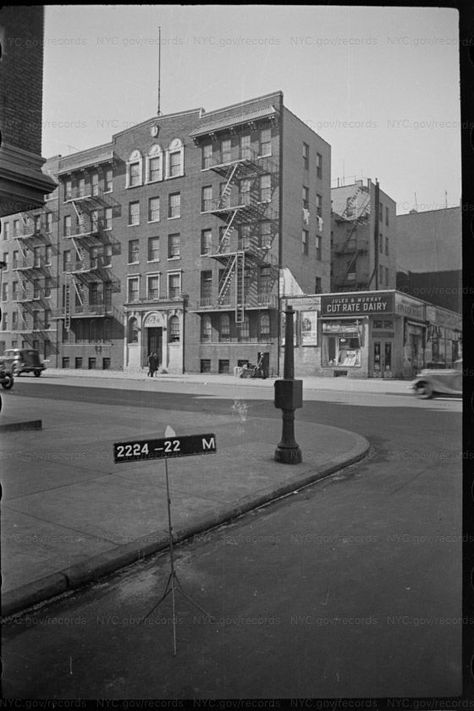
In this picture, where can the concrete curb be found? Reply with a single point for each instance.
(78, 575)
(15, 426)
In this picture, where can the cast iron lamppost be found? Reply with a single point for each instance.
(288, 396)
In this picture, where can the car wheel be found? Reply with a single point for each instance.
(424, 391)
(7, 381)
(37, 373)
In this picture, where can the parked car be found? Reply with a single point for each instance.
(447, 383)
(6, 375)
(23, 360)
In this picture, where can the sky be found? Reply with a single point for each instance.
(380, 84)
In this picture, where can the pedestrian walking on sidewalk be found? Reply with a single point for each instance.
(152, 364)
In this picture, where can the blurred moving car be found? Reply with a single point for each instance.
(23, 360)
(6, 376)
(447, 383)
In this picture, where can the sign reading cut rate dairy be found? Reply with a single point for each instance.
(361, 303)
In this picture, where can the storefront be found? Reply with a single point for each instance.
(375, 334)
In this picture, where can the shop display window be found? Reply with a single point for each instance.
(341, 350)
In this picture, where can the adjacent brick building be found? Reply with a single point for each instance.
(23, 185)
(173, 239)
(363, 238)
(429, 256)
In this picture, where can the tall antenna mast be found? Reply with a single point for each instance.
(159, 71)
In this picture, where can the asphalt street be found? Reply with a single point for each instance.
(351, 588)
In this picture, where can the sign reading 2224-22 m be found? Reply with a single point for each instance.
(136, 451)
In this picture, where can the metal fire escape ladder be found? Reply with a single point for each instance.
(225, 240)
(240, 287)
(228, 186)
(226, 279)
(67, 303)
(355, 225)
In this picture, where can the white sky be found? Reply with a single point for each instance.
(381, 85)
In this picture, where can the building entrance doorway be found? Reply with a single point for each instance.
(155, 342)
(382, 351)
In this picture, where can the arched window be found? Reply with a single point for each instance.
(132, 334)
(175, 159)
(206, 328)
(134, 170)
(173, 329)
(264, 325)
(224, 327)
(154, 164)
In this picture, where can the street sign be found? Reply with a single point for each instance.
(139, 451)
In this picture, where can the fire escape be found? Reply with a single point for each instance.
(354, 244)
(35, 279)
(244, 250)
(93, 249)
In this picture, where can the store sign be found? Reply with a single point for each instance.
(309, 328)
(352, 327)
(406, 306)
(363, 303)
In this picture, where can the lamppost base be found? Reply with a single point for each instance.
(288, 455)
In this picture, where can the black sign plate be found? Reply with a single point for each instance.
(139, 451)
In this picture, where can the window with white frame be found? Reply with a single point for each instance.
(319, 205)
(153, 249)
(49, 222)
(133, 289)
(226, 152)
(107, 255)
(265, 188)
(206, 198)
(14, 322)
(264, 326)
(4, 291)
(134, 213)
(175, 159)
(174, 285)
(245, 329)
(266, 142)
(16, 228)
(154, 167)
(206, 328)
(174, 246)
(48, 255)
(15, 258)
(305, 241)
(108, 180)
(95, 183)
(206, 155)
(133, 251)
(81, 186)
(134, 170)
(245, 146)
(319, 165)
(36, 257)
(37, 223)
(153, 287)
(265, 234)
(108, 218)
(6, 230)
(14, 290)
(132, 330)
(67, 225)
(174, 205)
(224, 327)
(67, 189)
(305, 197)
(173, 330)
(154, 209)
(244, 190)
(47, 287)
(305, 155)
(206, 242)
(318, 248)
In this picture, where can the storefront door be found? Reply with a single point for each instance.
(155, 339)
(382, 355)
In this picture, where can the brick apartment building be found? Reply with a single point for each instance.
(173, 238)
(429, 256)
(363, 238)
(22, 181)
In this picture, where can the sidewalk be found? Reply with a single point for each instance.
(71, 516)
(310, 382)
